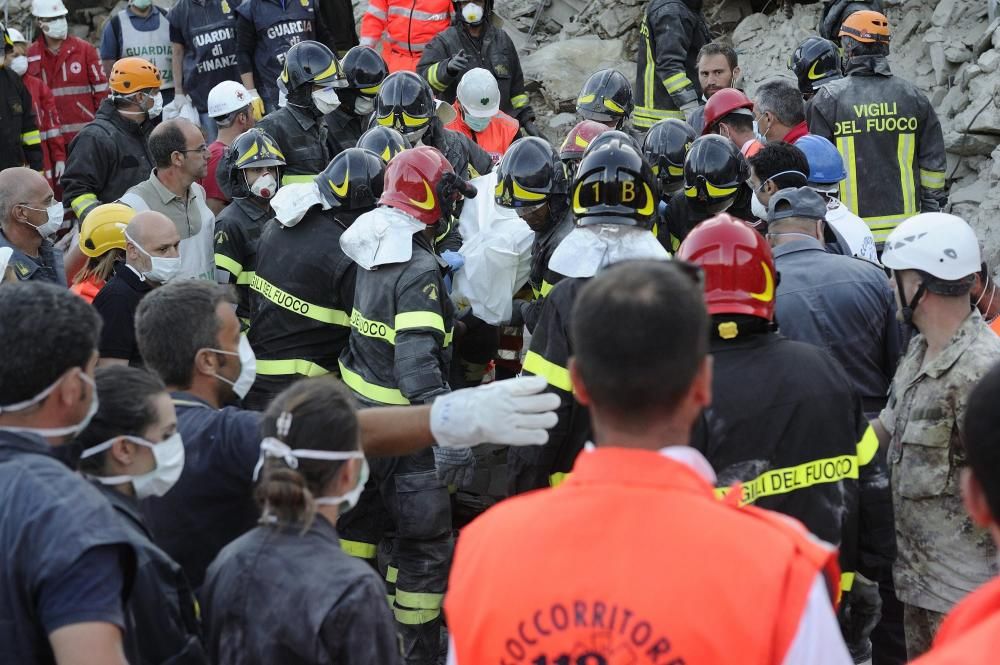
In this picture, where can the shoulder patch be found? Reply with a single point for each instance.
(221, 238)
(431, 291)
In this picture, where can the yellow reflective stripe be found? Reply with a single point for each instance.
(904, 153)
(404, 321)
(358, 549)
(391, 574)
(518, 101)
(849, 186)
(329, 71)
(846, 582)
(932, 179)
(790, 479)
(419, 600)
(409, 320)
(692, 192)
(645, 117)
(370, 391)
(228, 264)
(415, 617)
(299, 178)
(558, 478)
(290, 302)
(82, 203)
(557, 376)
(676, 82)
(546, 287)
(245, 278)
(433, 79)
(372, 91)
(526, 195)
(881, 227)
(867, 446)
(31, 138)
(289, 367)
(648, 76)
(371, 328)
(613, 106)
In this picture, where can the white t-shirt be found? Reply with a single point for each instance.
(854, 231)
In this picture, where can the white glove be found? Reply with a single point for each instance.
(59, 169)
(515, 412)
(189, 112)
(173, 109)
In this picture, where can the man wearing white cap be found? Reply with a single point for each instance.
(229, 106)
(479, 114)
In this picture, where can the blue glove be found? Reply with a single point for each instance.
(454, 260)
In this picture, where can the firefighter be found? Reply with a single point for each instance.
(22, 142)
(312, 75)
(47, 121)
(112, 153)
(870, 114)
(365, 70)
(665, 148)
(399, 352)
(815, 63)
(406, 103)
(253, 179)
(531, 182)
(479, 117)
(405, 28)
(303, 288)
(715, 174)
(385, 142)
(577, 142)
(473, 42)
(606, 97)
(730, 113)
(614, 200)
(671, 35)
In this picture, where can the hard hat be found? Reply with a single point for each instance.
(310, 62)
(815, 61)
(721, 104)
(606, 97)
(48, 8)
(941, 245)
(352, 181)
(665, 148)
(411, 182)
(737, 265)
(8, 45)
(713, 172)
(405, 102)
(528, 174)
(365, 70)
(614, 185)
(104, 229)
(385, 142)
(16, 37)
(479, 93)
(867, 27)
(579, 139)
(227, 97)
(826, 166)
(611, 136)
(130, 75)
(253, 149)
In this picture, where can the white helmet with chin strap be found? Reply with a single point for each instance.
(479, 93)
(941, 246)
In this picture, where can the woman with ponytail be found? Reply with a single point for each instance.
(285, 592)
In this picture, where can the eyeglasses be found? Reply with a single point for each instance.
(203, 148)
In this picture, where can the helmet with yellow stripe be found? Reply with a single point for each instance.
(8, 41)
(606, 97)
(577, 142)
(352, 181)
(405, 103)
(311, 63)
(365, 70)
(412, 183)
(615, 185)
(385, 142)
(253, 149)
(713, 173)
(665, 148)
(528, 175)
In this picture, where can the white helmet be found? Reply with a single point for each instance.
(16, 37)
(479, 93)
(227, 97)
(48, 8)
(939, 244)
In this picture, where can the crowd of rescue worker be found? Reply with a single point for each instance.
(257, 405)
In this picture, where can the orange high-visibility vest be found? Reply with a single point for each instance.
(631, 560)
(499, 134)
(405, 28)
(970, 634)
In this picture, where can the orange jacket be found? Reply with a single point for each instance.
(74, 76)
(499, 134)
(405, 28)
(88, 289)
(47, 118)
(995, 326)
(632, 559)
(970, 634)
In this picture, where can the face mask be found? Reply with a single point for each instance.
(248, 368)
(272, 447)
(70, 430)
(758, 209)
(363, 105)
(477, 124)
(142, 4)
(55, 221)
(326, 100)
(265, 186)
(472, 13)
(19, 65)
(163, 268)
(56, 29)
(760, 136)
(169, 458)
(157, 107)
(350, 498)
(415, 136)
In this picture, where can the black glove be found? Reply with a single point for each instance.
(530, 128)
(457, 64)
(517, 313)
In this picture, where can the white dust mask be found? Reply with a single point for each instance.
(168, 456)
(54, 221)
(162, 268)
(265, 186)
(19, 65)
(69, 430)
(326, 100)
(248, 368)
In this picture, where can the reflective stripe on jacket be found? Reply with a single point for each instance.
(405, 28)
(75, 77)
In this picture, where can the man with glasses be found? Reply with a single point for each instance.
(180, 156)
(29, 214)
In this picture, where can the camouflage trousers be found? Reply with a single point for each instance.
(920, 626)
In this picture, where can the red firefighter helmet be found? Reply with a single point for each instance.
(723, 103)
(411, 183)
(579, 138)
(737, 264)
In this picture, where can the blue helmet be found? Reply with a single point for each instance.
(826, 166)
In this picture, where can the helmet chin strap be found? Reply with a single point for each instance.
(908, 307)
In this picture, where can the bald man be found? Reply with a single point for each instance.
(152, 258)
(29, 214)
(181, 157)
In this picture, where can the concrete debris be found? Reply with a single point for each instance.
(559, 70)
